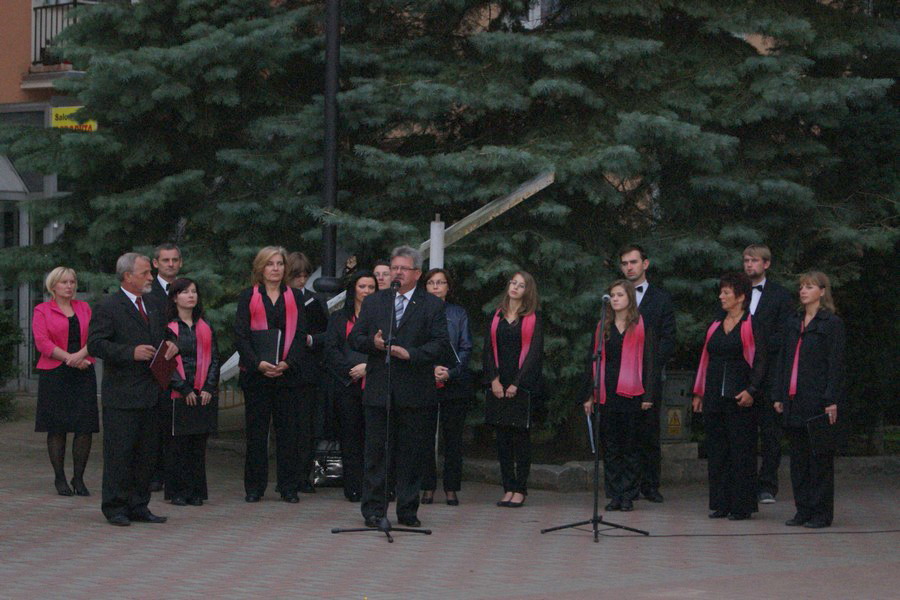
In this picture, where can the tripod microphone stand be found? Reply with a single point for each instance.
(384, 524)
(596, 519)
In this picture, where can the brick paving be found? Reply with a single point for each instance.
(53, 546)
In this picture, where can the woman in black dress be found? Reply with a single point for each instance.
(67, 386)
(347, 368)
(810, 382)
(194, 395)
(732, 367)
(513, 362)
(271, 384)
(454, 383)
(624, 390)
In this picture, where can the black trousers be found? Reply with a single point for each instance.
(514, 453)
(353, 437)
(307, 409)
(409, 429)
(186, 467)
(621, 464)
(769, 446)
(812, 477)
(265, 404)
(731, 450)
(452, 418)
(164, 434)
(130, 440)
(649, 452)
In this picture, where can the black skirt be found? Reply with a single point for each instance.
(67, 401)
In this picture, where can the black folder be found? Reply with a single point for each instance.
(823, 436)
(508, 412)
(266, 343)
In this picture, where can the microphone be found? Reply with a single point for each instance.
(605, 298)
(395, 285)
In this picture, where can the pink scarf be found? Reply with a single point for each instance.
(204, 354)
(749, 349)
(792, 390)
(631, 370)
(258, 320)
(528, 322)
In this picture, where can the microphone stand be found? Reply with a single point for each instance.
(384, 524)
(597, 518)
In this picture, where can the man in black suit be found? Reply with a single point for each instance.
(770, 306)
(167, 262)
(655, 306)
(420, 341)
(125, 332)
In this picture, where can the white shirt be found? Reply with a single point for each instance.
(640, 293)
(755, 295)
(133, 299)
(165, 284)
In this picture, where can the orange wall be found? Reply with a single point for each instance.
(15, 52)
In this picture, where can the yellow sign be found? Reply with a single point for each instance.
(61, 118)
(674, 422)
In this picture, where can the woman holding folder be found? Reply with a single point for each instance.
(194, 394)
(730, 376)
(809, 395)
(347, 368)
(513, 363)
(624, 389)
(269, 332)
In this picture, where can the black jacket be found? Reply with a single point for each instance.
(659, 315)
(530, 376)
(339, 356)
(820, 370)
(316, 315)
(729, 374)
(116, 328)
(158, 295)
(649, 376)
(275, 316)
(422, 331)
(187, 349)
(460, 383)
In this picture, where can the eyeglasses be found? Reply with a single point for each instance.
(402, 268)
(517, 285)
(437, 282)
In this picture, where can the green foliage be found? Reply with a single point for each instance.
(664, 124)
(10, 338)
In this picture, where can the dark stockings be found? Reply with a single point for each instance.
(81, 449)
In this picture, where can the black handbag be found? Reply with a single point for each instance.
(328, 468)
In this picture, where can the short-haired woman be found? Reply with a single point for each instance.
(513, 362)
(194, 393)
(270, 384)
(454, 383)
(625, 388)
(730, 376)
(809, 382)
(67, 386)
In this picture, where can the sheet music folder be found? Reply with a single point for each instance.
(161, 368)
(266, 343)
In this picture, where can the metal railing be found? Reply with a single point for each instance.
(49, 21)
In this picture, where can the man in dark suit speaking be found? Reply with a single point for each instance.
(125, 332)
(420, 341)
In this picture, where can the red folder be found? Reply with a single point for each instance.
(161, 368)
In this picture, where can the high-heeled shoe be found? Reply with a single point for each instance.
(427, 497)
(62, 487)
(452, 500)
(79, 487)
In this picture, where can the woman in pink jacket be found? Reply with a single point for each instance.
(67, 387)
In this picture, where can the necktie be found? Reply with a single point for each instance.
(758, 287)
(398, 307)
(140, 305)
(639, 289)
(167, 287)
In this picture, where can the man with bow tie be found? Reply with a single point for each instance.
(770, 307)
(655, 306)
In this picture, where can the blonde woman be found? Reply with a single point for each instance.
(67, 386)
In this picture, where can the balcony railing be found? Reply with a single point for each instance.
(49, 21)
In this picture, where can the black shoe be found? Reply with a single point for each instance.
(718, 514)
(409, 521)
(290, 498)
(353, 496)
(195, 501)
(148, 517)
(178, 501)
(119, 520)
(427, 497)
(251, 498)
(373, 521)
(738, 516)
(79, 487)
(796, 521)
(62, 487)
(816, 523)
(452, 500)
(614, 504)
(156, 486)
(653, 496)
(306, 487)
(627, 505)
